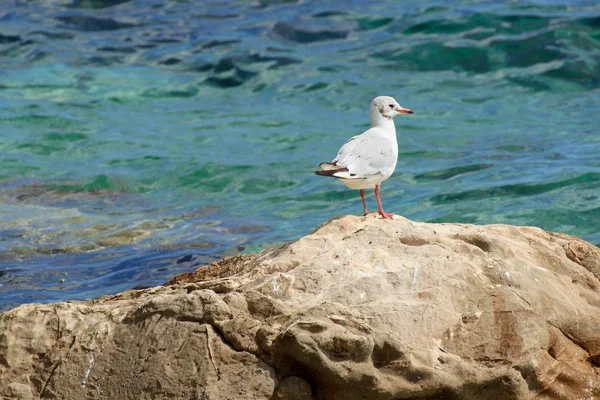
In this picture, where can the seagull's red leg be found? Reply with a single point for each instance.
(381, 212)
(362, 196)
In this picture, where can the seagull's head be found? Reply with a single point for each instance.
(387, 107)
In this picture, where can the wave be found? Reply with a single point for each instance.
(522, 189)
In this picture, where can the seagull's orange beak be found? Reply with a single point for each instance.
(402, 110)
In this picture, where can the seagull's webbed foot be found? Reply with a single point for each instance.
(382, 213)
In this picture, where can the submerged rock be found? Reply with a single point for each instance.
(360, 309)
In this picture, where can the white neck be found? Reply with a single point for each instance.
(386, 128)
(379, 121)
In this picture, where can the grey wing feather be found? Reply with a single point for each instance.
(347, 149)
(366, 155)
(325, 166)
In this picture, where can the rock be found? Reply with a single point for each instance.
(19, 391)
(362, 308)
(160, 342)
(293, 388)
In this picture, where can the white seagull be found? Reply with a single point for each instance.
(368, 159)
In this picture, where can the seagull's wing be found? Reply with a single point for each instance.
(363, 156)
(331, 168)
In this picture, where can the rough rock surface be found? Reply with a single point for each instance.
(362, 308)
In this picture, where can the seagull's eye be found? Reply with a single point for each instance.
(391, 106)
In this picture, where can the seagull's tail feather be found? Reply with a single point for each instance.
(329, 166)
(331, 172)
(340, 173)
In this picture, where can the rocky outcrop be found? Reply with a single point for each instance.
(362, 308)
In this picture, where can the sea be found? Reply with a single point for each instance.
(140, 139)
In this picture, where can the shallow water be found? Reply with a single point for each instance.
(141, 139)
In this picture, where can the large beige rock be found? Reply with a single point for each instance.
(362, 308)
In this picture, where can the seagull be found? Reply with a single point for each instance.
(368, 159)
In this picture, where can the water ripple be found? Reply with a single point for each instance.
(514, 190)
(451, 172)
(92, 24)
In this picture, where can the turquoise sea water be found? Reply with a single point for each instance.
(140, 139)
